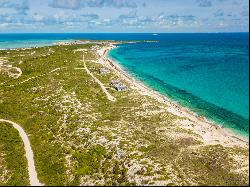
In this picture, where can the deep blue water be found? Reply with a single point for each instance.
(209, 73)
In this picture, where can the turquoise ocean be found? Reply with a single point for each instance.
(208, 73)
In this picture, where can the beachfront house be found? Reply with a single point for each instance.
(121, 87)
(118, 85)
(104, 71)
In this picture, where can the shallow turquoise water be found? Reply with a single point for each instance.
(208, 73)
(26, 44)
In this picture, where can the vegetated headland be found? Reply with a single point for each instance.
(90, 123)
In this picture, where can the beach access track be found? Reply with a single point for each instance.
(28, 153)
(109, 96)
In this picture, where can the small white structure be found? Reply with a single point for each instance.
(121, 87)
(118, 85)
(113, 82)
(104, 70)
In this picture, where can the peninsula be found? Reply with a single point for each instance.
(90, 123)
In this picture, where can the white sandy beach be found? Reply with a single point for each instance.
(211, 133)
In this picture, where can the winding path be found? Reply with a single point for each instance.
(34, 77)
(28, 153)
(109, 96)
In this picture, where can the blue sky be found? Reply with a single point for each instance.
(124, 16)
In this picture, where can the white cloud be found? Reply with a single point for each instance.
(78, 4)
(37, 17)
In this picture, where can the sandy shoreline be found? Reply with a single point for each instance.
(210, 132)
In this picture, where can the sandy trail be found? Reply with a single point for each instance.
(109, 96)
(28, 153)
(31, 78)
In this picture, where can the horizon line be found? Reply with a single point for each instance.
(121, 32)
